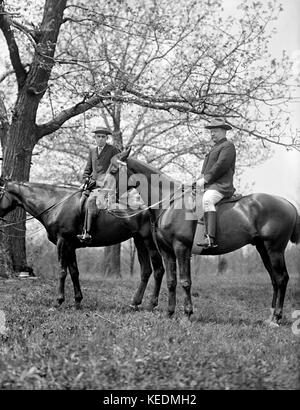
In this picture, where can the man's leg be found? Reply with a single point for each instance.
(91, 209)
(91, 212)
(210, 198)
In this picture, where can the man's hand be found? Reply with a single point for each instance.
(85, 183)
(200, 183)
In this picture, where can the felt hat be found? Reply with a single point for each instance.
(102, 130)
(218, 123)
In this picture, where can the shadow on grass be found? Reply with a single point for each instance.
(236, 321)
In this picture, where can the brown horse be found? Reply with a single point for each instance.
(58, 209)
(266, 221)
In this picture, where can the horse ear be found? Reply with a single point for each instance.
(125, 153)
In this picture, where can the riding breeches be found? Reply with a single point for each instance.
(210, 198)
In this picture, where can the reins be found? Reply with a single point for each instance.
(171, 199)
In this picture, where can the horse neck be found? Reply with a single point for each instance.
(33, 199)
(159, 186)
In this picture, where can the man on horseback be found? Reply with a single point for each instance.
(97, 163)
(218, 170)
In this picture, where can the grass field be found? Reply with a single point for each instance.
(107, 346)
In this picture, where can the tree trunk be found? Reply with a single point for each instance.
(112, 258)
(112, 254)
(19, 141)
(17, 154)
(222, 265)
(6, 269)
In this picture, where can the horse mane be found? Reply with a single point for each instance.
(48, 190)
(45, 186)
(149, 168)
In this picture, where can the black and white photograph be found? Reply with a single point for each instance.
(149, 198)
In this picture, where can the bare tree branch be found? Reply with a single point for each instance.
(5, 26)
(65, 115)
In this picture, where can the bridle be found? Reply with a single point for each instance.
(9, 223)
(146, 208)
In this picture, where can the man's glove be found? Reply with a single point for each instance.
(198, 184)
(85, 184)
(201, 182)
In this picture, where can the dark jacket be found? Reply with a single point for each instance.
(219, 167)
(98, 164)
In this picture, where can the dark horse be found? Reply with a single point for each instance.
(266, 221)
(58, 209)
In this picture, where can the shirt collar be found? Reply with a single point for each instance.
(220, 142)
(99, 149)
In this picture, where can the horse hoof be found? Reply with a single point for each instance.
(78, 306)
(135, 308)
(151, 307)
(188, 314)
(273, 324)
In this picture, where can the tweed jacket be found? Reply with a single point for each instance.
(219, 167)
(98, 164)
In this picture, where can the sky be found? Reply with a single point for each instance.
(280, 175)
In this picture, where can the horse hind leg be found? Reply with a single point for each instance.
(158, 271)
(62, 272)
(146, 270)
(67, 259)
(281, 278)
(183, 255)
(274, 262)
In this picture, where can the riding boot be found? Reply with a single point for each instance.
(86, 237)
(210, 222)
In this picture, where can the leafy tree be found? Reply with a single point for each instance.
(179, 64)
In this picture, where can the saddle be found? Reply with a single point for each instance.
(130, 202)
(233, 198)
(198, 209)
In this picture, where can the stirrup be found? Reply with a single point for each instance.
(85, 238)
(208, 242)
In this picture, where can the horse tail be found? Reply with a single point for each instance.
(295, 237)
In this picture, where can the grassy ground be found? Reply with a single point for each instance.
(107, 346)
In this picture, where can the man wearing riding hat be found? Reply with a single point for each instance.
(218, 170)
(97, 164)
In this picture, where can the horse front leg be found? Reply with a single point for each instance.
(183, 255)
(62, 273)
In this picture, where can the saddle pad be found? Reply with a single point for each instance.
(233, 198)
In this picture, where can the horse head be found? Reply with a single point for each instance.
(8, 201)
(118, 176)
(118, 161)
